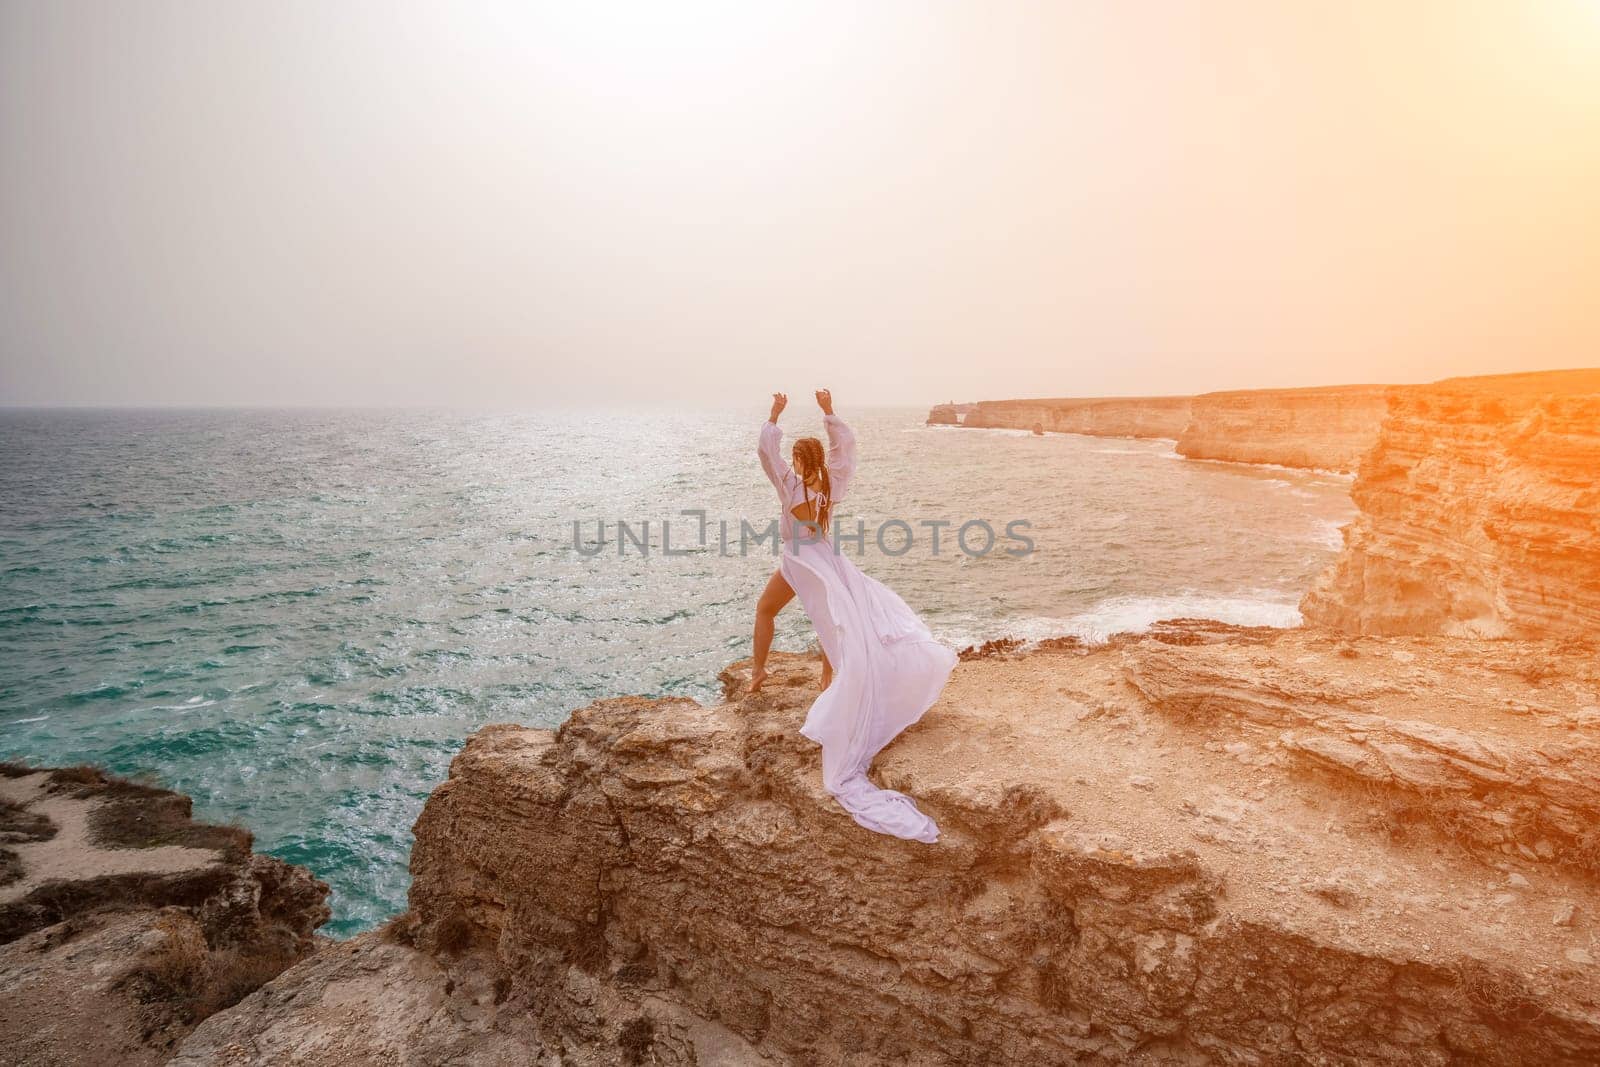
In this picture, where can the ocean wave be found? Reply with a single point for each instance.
(1328, 533)
(1320, 472)
(191, 704)
(105, 691)
(1106, 522)
(1137, 614)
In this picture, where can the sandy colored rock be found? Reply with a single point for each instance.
(374, 1000)
(124, 922)
(1325, 428)
(1274, 912)
(1112, 416)
(68, 854)
(1479, 514)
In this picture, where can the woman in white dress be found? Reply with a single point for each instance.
(881, 667)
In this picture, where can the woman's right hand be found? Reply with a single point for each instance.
(779, 401)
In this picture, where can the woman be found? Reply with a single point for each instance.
(881, 667)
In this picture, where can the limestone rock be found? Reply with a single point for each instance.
(1323, 428)
(1439, 748)
(686, 859)
(1113, 416)
(1479, 514)
(124, 922)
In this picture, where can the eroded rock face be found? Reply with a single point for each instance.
(123, 922)
(1327, 428)
(1479, 514)
(1115, 416)
(1461, 736)
(1125, 876)
(1320, 428)
(377, 999)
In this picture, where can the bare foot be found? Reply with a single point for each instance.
(757, 676)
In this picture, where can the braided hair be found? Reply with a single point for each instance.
(812, 460)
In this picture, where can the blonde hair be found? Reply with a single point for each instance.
(812, 460)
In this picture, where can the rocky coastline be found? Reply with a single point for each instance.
(948, 414)
(1324, 428)
(1208, 845)
(1319, 429)
(124, 923)
(1479, 513)
(1134, 416)
(1372, 839)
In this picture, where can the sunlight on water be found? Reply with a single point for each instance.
(297, 617)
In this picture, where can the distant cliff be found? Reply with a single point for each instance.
(1325, 428)
(1111, 416)
(947, 414)
(1480, 513)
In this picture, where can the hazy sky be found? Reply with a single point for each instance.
(518, 204)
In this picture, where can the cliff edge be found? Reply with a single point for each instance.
(1479, 513)
(1324, 428)
(123, 922)
(1205, 846)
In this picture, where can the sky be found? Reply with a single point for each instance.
(525, 204)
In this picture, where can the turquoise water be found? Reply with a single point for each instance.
(296, 617)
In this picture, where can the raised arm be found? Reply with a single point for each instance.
(770, 448)
(841, 446)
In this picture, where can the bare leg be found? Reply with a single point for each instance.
(827, 671)
(773, 598)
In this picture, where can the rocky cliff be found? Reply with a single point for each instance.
(1245, 847)
(123, 923)
(1114, 416)
(1205, 844)
(1322, 428)
(1479, 513)
(947, 414)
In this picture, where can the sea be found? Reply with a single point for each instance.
(297, 617)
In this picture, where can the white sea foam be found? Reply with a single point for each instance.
(1328, 532)
(1106, 522)
(1136, 614)
(999, 431)
(19, 722)
(191, 704)
(1320, 472)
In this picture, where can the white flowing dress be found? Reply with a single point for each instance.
(887, 668)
